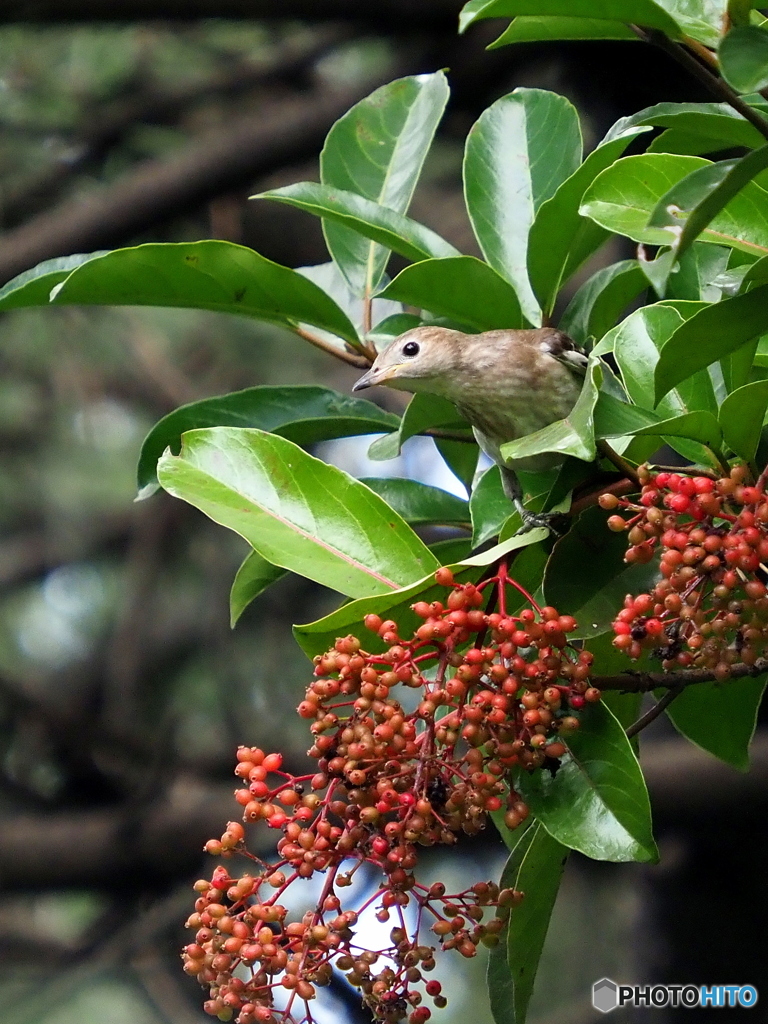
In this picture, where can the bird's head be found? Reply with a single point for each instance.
(419, 360)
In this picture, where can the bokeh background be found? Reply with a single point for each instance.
(123, 691)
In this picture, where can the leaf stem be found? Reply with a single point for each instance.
(619, 462)
(654, 712)
(361, 361)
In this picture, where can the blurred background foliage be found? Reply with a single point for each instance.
(123, 692)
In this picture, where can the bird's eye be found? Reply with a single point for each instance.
(411, 348)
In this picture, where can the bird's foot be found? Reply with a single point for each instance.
(555, 522)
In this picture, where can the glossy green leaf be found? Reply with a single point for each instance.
(377, 150)
(451, 550)
(689, 143)
(699, 426)
(699, 19)
(387, 227)
(574, 435)
(714, 121)
(296, 511)
(593, 598)
(219, 276)
(535, 867)
(739, 11)
(535, 30)
(319, 636)
(637, 12)
(252, 578)
(742, 415)
(720, 717)
(615, 417)
(601, 300)
(743, 57)
(637, 343)
(419, 503)
(623, 197)
(519, 151)
(557, 225)
(709, 335)
(424, 412)
(490, 507)
(304, 414)
(33, 287)
(461, 458)
(693, 203)
(597, 802)
(461, 287)
(696, 273)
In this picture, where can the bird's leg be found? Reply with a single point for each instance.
(554, 521)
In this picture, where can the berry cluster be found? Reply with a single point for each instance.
(491, 690)
(710, 608)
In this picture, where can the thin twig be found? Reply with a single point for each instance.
(642, 682)
(619, 462)
(360, 361)
(716, 85)
(661, 705)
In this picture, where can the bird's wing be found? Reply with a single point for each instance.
(565, 350)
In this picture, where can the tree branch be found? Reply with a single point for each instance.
(644, 682)
(653, 713)
(231, 157)
(396, 15)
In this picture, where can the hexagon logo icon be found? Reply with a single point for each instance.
(605, 995)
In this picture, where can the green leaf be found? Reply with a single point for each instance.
(535, 30)
(377, 150)
(535, 867)
(490, 507)
(694, 202)
(739, 11)
(452, 550)
(461, 287)
(597, 802)
(574, 435)
(696, 272)
(420, 503)
(365, 217)
(296, 511)
(593, 598)
(252, 578)
(461, 458)
(637, 12)
(712, 121)
(423, 412)
(698, 426)
(742, 415)
(557, 226)
(601, 300)
(720, 717)
(699, 19)
(304, 414)
(677, 141)
(743, 57)
(617, 418)
(33, 287)
(709, 335)
(317, 637)
(637, 342)
(623, 197)
(520, 150)
(220, 276)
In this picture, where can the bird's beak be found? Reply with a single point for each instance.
(376, 376)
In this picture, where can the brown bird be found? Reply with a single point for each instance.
(506, 383)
